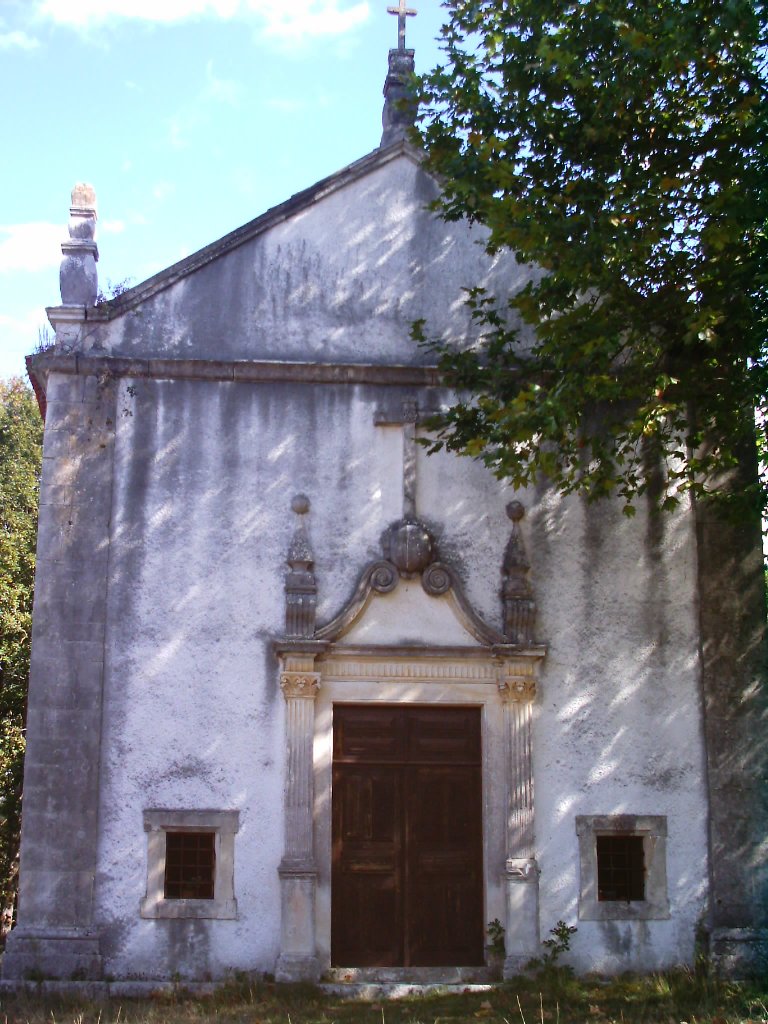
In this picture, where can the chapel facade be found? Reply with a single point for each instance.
(305, 700)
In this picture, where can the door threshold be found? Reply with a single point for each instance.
(418, 976)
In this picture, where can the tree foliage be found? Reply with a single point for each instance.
(621, 147)
(21, 432)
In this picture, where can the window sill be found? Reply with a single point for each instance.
(618, 910)
(214, 910)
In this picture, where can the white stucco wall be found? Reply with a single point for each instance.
(204, 474)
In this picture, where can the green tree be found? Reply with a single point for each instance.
(621, 146)
(21, 431)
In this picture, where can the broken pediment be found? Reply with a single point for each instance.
(408, 598)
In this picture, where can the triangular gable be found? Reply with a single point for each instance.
(337, 274)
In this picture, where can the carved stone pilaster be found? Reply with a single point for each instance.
(518, 691)
(300, 586)
(298, 875)
(516, 595)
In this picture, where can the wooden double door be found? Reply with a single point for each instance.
(407, 879)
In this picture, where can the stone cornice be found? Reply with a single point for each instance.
(252, 371)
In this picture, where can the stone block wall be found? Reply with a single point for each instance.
(54, 936)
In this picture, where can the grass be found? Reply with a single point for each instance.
(555, 997)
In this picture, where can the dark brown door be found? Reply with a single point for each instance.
(407, 881)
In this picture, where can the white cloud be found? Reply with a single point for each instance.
(19, 334)
(81, 13)
(30, 247)
(292, 20)
(27, 323)
(17, 41)
(310, 17)
(112, 227)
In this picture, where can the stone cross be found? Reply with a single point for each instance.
(406, 415)
(402, 13)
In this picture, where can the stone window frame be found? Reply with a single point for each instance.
(652, 828)
(224, 825)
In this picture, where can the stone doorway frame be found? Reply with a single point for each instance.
(498, 673)
(501, 681)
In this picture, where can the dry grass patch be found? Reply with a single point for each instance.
(553, 998)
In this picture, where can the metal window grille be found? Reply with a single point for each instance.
(190, 862)
(620, 868)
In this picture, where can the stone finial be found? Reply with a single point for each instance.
(399, 111)
(300, 587)
(78, 277)
(516, 595)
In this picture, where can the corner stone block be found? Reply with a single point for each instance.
(54, 934)
(65, 956)
(70, 681)
(61, 897)
(64, 387)
(57, 442)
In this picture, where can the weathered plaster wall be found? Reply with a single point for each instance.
(342, 280)
(204, 474)
(196, 537)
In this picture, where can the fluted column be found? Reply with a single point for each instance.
(298, 874)
(518, 692)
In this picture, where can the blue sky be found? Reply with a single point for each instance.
(189, 117)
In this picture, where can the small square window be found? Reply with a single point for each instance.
(622, 867)
(190, 864)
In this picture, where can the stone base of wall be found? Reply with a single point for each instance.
(293, 967)
(38, 956)
(740, 952)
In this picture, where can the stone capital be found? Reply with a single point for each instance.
(517, 688)
(300, 684)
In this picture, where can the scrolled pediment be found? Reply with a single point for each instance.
(410, 599)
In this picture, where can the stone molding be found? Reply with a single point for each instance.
(474, 665)
(431, 667)
(250, 371)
